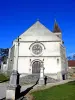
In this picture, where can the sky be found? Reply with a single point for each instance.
(16, 16)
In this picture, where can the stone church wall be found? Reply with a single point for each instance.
(50, 49)
(50, 58)
(64, 63)
(51, 65)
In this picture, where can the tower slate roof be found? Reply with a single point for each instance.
(56, 28)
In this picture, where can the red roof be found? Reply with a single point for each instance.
(71, 63)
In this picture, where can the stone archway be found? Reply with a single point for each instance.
(36, 67)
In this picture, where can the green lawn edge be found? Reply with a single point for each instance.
(60, 92)
(3, 78)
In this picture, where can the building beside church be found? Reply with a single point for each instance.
(38, 46)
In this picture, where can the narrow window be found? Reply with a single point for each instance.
(57, 61)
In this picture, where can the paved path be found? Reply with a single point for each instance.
(24, 87)
(39, 87)
(3, 87)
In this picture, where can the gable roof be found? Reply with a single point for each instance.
(71, 63)
(36, 31)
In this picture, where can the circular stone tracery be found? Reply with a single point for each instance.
(37, 49)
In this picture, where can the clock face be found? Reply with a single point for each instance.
(37, 49)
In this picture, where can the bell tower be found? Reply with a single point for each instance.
(57, 30)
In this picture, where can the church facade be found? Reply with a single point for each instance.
(38, 46)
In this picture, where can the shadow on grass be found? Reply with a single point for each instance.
(71, 83)
(3, 78)
(4, 81)
(22, 94)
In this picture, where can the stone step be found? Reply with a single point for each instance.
(29, 79)
(33, 78)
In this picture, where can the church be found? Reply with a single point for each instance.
(38, 46)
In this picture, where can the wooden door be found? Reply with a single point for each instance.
(36, 67)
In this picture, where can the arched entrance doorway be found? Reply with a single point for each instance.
(36, 67)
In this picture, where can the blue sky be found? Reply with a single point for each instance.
(18, 15)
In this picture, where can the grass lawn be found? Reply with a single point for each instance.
(60, 92)
(3, 78)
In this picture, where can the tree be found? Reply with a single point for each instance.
(71, 57)
(3, 55)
